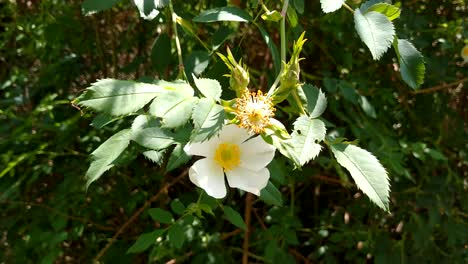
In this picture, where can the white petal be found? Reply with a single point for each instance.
(247, 180)
(209, 176)
(256, 153)
(205, 149)
(233, 134)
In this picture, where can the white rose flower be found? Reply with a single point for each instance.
(233, 152)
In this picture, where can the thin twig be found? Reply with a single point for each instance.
(247, 214)
(55, 211)
(177, 41)
(230, 234)
(138, 212)
(440, 87)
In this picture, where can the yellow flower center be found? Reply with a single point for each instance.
(227, 155)
(254, 111)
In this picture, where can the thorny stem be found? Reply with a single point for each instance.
(177, 41)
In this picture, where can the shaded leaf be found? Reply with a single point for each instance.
(411, 61)
(160, 215)
(178, 157)
(153, 138)
(93, 6)
(145, 240)
(316, 100)
(208, 118)
(234, 217)
(271, 195)
(161, 55)
(176, 235)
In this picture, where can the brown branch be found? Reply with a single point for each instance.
(247, 214)
(440, 87)
(299, 256)
(138, 213)
(230, 234)
(55, 211)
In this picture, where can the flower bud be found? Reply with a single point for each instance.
(289, 77)
(239, 78)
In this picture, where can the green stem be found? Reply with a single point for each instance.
(283, 46)
(298, 101)
(348, 7)
(177, 41)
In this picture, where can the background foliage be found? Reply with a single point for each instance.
(51, 51)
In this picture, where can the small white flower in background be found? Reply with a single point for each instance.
(233, 152)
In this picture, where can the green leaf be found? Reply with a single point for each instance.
(104, 156)
(179, 86)
(178, 157)
(208, 87)
(369, 175)
(375, 30)
(196, 62)
(234, 217)
(271, 195)
(101, 120)
(329, 6)
(176, 235)
(155, 156)
(160, 215)
(177, 206)
(153, 138)
(173, 107)
(116, 97)
(316, 100)
(367, 107)
(307, 134)
(208, 118)
(227, 13)
(145, 240)
(299, 5)
(90, 7)
(161, 52)
(390, 11)
(271, 46)
(411, 61)
(292, 16)
(273, 16)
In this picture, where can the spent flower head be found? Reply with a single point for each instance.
(254, 111)
(235, 153)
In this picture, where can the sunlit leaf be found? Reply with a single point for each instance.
(375, 30)
(331, 5)
(390, 11)
(306, 136)
(104, 156)
(153, 138)
(116, 97)
(227, 13)
(208, 87)
(174, 108)
(369, 175)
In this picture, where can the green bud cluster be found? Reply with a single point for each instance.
(239, 77)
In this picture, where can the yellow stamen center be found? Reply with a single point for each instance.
(227, 155)
(254, 111)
